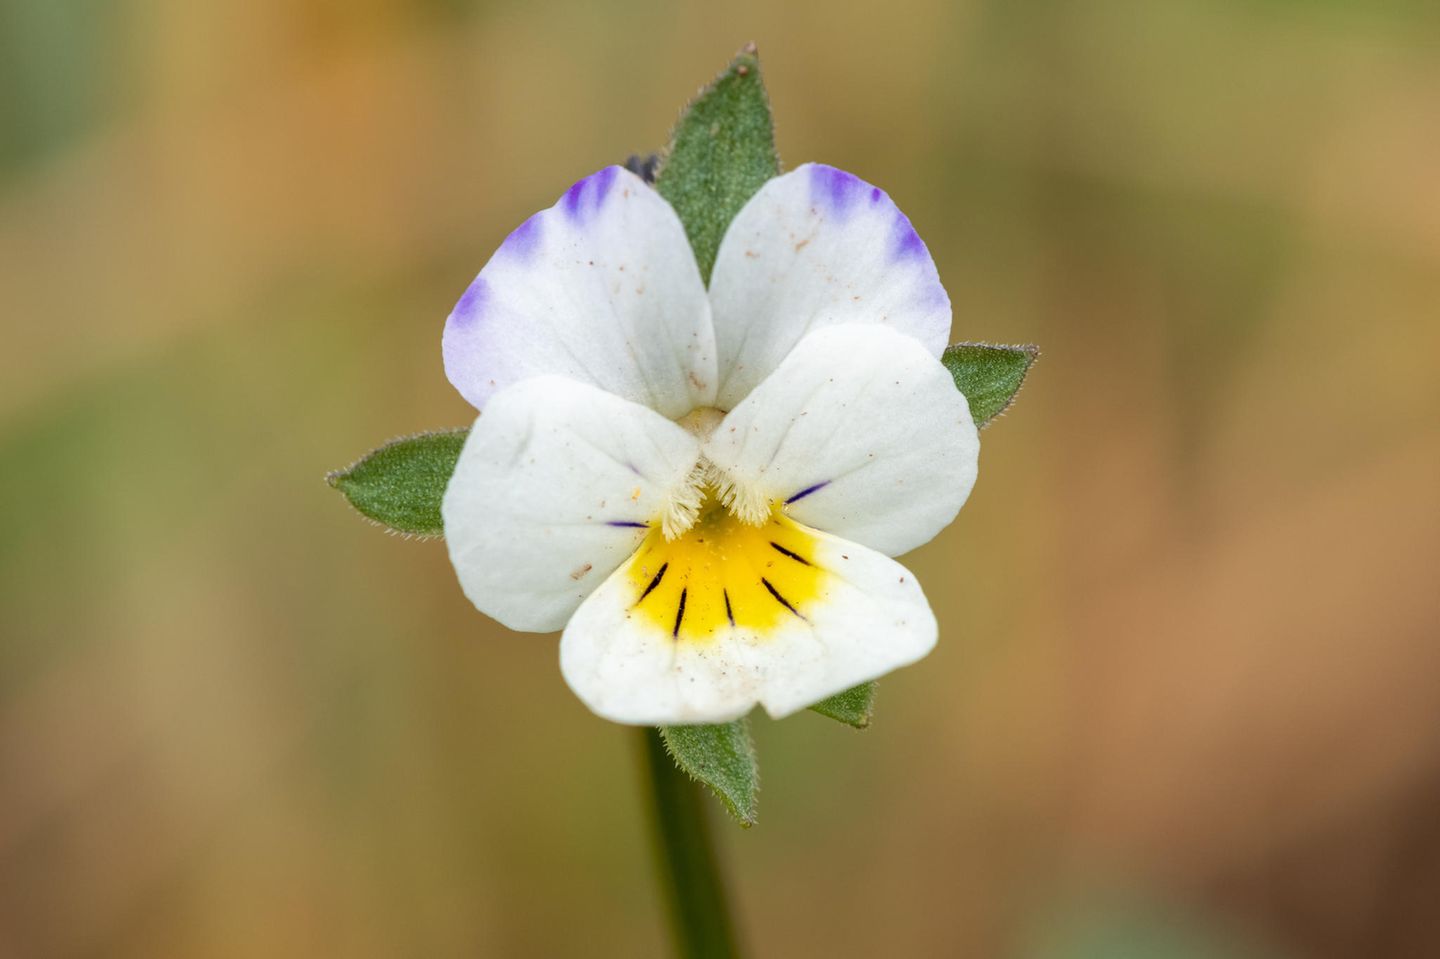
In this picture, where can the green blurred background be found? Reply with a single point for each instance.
(1187, 696)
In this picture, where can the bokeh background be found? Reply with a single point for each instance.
(1187, 697)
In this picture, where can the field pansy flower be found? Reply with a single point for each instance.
(704, 488)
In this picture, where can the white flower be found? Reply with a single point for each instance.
(704, 488)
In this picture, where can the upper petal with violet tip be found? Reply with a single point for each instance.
(814, 248)
(601, 288)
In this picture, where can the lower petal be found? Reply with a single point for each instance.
(701, 629)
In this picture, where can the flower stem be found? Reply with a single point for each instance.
(685, 856)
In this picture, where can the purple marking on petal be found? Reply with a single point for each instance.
(472, 303)
(524, 240)
(589, 194)
(604, 180)
(626, 524)
(906, 243)
(834, 189)
(573, 196)
(876, 195)
(806, 492)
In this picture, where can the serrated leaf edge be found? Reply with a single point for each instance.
(1029, 349)
(744, 821)
(333, 478)
(869, 713)
(748, 50)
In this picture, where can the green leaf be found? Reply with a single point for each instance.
(721, 152)
(721, 757)
(853, 707)
(989, 376)
(400, 485)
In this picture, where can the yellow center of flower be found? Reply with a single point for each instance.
(723, 572)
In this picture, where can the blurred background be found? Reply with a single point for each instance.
(1187, 697)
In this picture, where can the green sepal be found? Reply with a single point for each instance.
(989, 376)
(723, 758)
(721, 152)
(853, 707)
(401, 484)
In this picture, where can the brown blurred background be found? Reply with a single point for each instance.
(1187, 697)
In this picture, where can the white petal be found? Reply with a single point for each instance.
(557, 484)
(813, 248)
(865, 617)
(861, 432)
(602, 288)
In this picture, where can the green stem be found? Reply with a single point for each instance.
(689, 870)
